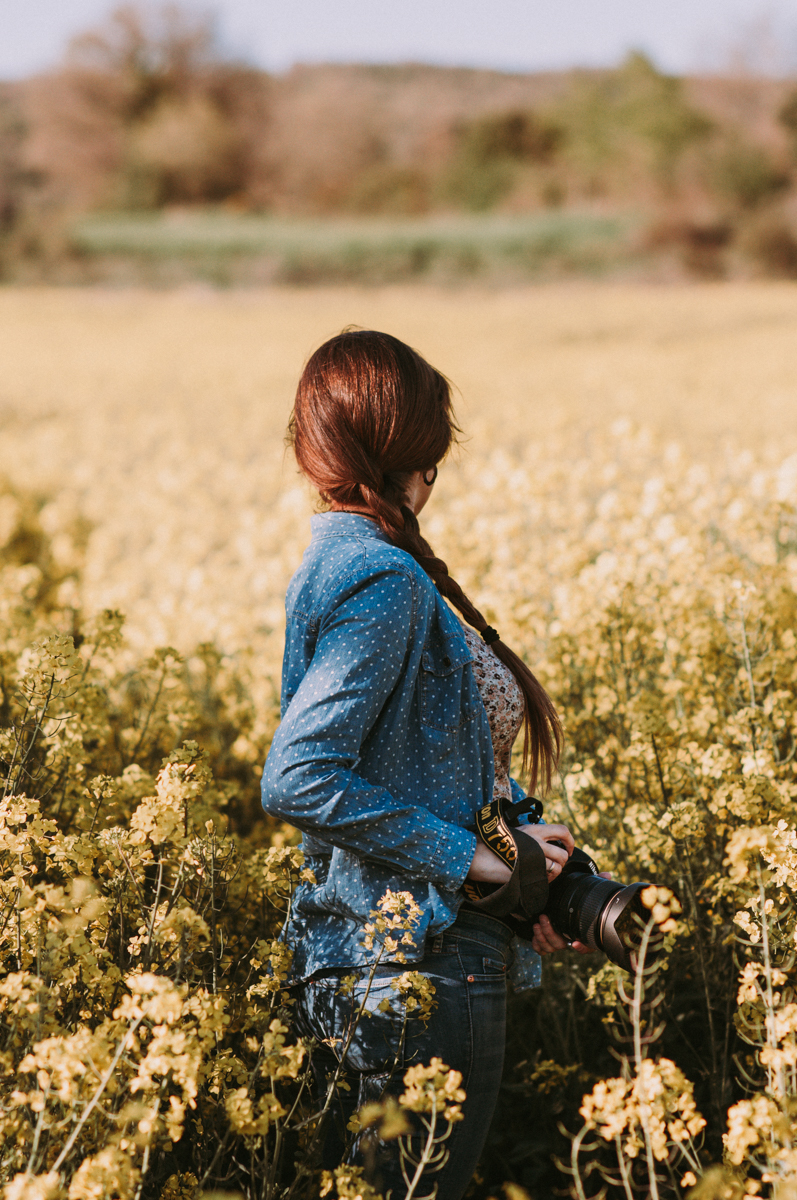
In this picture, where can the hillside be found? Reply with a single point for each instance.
(141, 119)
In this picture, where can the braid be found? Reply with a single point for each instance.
(542, 729)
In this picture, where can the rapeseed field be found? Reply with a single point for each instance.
(623, 507)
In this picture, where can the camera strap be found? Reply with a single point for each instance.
(526, 891)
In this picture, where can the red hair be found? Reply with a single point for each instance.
(369, 412)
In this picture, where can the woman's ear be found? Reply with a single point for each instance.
(418, 491)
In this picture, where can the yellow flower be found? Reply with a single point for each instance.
(110, 1172)
(434, 1089)
(33, 1187)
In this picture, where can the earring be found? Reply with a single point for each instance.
(426, 474)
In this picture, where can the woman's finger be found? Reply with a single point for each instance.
(554, 854)
(558, 833)
(548, 834)
(581, 948)
(542, 945)
(546, 940)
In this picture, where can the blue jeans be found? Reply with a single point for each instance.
(467, 965)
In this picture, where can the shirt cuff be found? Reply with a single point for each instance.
(452, 858)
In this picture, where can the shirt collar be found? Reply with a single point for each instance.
(341, 524)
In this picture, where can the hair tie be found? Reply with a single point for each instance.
(490, 635)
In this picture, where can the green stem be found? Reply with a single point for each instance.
(575, 1147)
(426, 1154)
(92, 1104)
(624, 1172)
(636, 1017)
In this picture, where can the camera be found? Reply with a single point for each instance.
(601, 913)
(581, 906)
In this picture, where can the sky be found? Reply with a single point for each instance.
(679, 35)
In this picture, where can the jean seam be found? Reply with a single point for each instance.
(468, 1074)
(457, 938)
(470, 1019)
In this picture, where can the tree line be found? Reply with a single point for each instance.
(147, 112)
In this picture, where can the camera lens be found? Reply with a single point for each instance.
(601, 913)
(622, 922)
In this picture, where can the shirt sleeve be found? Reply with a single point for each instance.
(310, 778)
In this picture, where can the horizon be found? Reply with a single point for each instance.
(516, 37)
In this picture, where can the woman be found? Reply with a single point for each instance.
(397, 725)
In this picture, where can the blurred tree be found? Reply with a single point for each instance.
(489, 153)
(770, 244)
(148, 58)
(12, 131)
(746, 175)
(787, 116)
(387, 188)
(519, 136)
(15, 182)
(146, 111)
(632, 116)
(184, 150)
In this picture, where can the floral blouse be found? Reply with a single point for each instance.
(503, 702)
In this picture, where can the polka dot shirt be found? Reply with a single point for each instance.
(384, 752)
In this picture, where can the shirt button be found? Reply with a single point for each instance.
(471, 979)
(446, 661)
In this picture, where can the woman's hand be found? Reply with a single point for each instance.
(546, 940)
(487, 867)
(555, 856)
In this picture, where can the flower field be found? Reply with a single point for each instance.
(623, 507)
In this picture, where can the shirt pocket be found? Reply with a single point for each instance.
(446, 695)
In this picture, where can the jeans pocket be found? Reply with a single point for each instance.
(486, 969)
(364, 1025)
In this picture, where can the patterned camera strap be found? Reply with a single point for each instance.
(526, 891)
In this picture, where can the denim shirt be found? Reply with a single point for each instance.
(384, 753)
